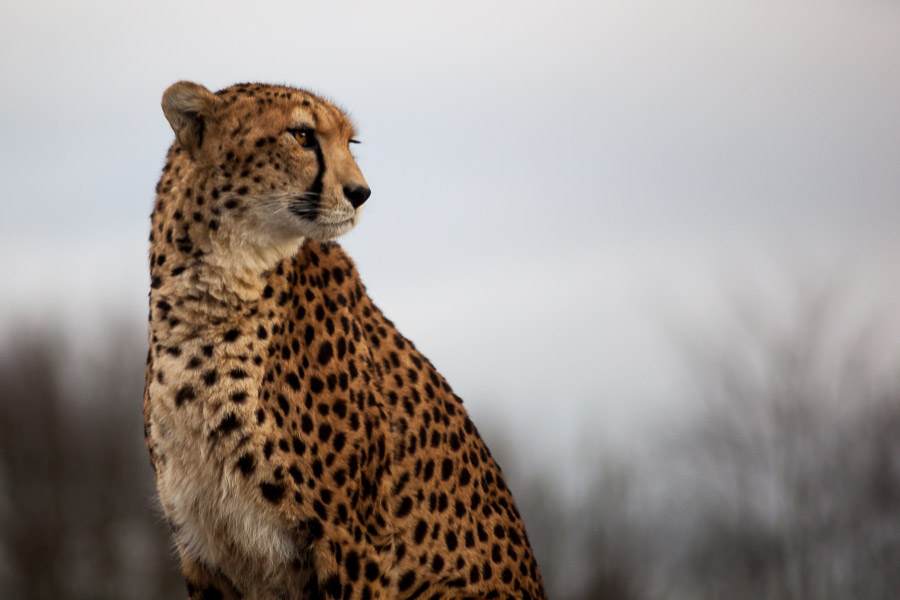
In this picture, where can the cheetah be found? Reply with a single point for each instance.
(302, 447)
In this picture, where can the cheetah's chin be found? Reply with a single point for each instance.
(329, 231)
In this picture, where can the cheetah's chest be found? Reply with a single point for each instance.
(216, 523)
(215, 518)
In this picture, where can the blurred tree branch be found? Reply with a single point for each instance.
(76, 493)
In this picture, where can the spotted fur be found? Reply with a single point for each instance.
(303, 448)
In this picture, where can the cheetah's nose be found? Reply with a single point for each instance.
(357, 194)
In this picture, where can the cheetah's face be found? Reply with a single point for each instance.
(277, 161)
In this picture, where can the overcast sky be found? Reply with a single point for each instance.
(552, 182)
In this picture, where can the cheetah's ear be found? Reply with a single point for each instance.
(188, 106)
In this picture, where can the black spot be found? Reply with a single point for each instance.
(231, 335)
(446, 469)
(474, 574)
(314, 528)
(351, 563)
(272, 492)
(227, 425)
(464, 477)
(514, 537)
(210, 377)
(325, 353)
(185, 394)
(239, 397)
(371, 571)
(451, 541)
(246, 464)
(421, 530)
(406, 581)
(405, 507)
(261, 333)
(340, 408)
(437, 563)
(293, 381)
(267, 292)
(316, 384)
(461, 582)
(306, 424)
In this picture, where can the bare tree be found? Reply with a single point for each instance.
(76, 494)
(795, 462)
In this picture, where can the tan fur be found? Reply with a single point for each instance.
(303, 448)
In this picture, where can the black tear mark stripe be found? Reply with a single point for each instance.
(315, 190)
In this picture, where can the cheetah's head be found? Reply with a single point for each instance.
(272, 163)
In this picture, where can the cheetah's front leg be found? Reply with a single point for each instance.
(205, 583)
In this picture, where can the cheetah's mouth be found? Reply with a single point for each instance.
(320, 222)
(303, 208)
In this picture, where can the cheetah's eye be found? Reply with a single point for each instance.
(304, 136)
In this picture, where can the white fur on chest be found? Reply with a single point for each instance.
(218, 515)
(217, 521)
